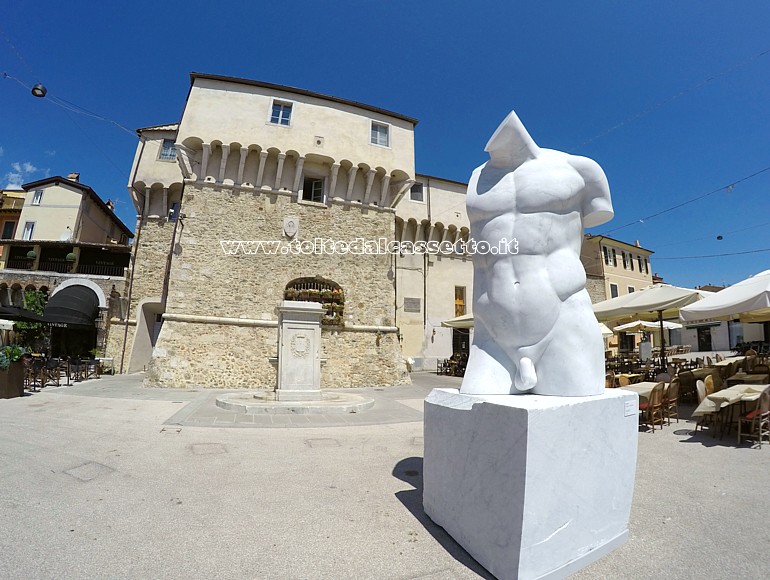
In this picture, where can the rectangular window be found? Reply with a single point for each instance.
(459, 300)
(8, 230)
(631, 262)
(37, 197)
(29, 228)
(614, 258)
(613, 290)
(646, 266)
(625, 263)
(412, 305)
(313, 189)
(281, 113)
(639, 263)
(415, 194)
(631, 290)
(606, 253)
(173, 214)
(168, 150)
(380, 134)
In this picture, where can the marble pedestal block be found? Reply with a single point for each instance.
(531, 486)
(299, 351)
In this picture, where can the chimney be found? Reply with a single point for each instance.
(636, 243)
(74, 177)
(110, 204)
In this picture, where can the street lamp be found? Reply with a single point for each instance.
(39, 90)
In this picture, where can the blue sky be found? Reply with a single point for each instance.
(671, 98)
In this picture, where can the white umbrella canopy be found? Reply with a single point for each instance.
(648, 303)
(640, 325)
(748, 299)
(466, 321)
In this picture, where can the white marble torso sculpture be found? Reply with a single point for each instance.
(535, 330)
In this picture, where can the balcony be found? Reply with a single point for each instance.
(66, 257)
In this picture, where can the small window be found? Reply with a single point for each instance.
(606, 253)
(313, 189)
(631, 290)
(380, 134)
(8, 230)
(173, 214)
(29, 228)
(415, 194)
(37, 197)
(613, 290)
(625, 263)
(646, 266)
(168, 150)
(459, 300)
(631, 262)
(281, 113)
(639, 263)
(614, 258)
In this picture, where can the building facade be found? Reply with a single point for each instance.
(62, 239)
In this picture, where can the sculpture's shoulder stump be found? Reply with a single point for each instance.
(531, 486)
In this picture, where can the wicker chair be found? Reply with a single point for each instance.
(623, 381)
(652, 410)
(700, 386)
(757, 421)
(609, 380)
(671, 400)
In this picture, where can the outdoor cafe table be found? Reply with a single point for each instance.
(727, 397)
(727, 361)
(642, 389)
(717, 402)
(747, 378)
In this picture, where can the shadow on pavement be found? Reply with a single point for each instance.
(410, 471)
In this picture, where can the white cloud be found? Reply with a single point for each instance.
(20, 172)
(50, 153)
(13, 180)
(1, 151)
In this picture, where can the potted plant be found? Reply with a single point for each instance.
(11, 372)
(290, 294)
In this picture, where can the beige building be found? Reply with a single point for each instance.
(61, 238)
(262, 162)
(622, 268)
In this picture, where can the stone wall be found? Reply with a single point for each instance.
(596, 288)
(206, 282)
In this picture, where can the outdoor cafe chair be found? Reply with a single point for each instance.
(663, 377)
(671, 400)
(700, 386)
(623, 381)
(756, 422)
(652, 410)
(609, 380)
(719, 357)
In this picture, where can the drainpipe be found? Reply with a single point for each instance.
(425, 260)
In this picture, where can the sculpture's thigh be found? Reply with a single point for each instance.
(573, 362)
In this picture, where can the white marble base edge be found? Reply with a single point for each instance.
(586, 559)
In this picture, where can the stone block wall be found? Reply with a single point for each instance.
(206, 283)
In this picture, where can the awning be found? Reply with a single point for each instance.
(72, 307)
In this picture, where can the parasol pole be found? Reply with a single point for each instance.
(662, 343)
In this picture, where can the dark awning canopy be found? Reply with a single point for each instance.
(72, 307)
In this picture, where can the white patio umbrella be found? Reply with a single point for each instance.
(748, 299)
(655, 302)
(641, 325)
(466, 321)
